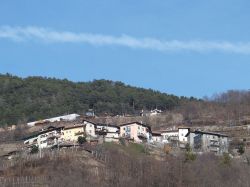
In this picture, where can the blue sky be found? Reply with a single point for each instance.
(191, 48)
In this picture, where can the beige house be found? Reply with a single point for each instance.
(71, 133)
(135, 131)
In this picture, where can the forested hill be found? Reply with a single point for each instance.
(34, 98)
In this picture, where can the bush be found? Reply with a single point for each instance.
(167, 149)
(81, 140)
(34, 149)
(226, 159)
(188, 148)
(241, 149)
(189, 156)
(122, 141)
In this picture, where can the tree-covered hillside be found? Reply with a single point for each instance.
(34, 98)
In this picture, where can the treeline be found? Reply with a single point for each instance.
(228, 108)
(34, 98)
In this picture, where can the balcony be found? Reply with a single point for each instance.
(214, 140)
(142, 135)
(127, 135)
(214, 149)
(79, 133)
(50, 143)
(53, 135)
(214, 143)
(33, 143)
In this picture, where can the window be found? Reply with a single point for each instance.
(127, 129)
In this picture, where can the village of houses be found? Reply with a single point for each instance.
(62, 135)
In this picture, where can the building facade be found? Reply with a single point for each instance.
(136, 131)
(45, 138)
(200, 141)
(109, 132)
(89, 128)
(71, 133)
(156, 137)
(168, 136)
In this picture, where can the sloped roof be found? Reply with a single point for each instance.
(154, 133)
(89, 121)
(107, 125)
(49, 129)
(72, 127)
(204, 132)
(136, 122)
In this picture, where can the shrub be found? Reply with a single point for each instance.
(189, 156)
(167, 149)
(241, 149)
(188, 148)
(81, 140)
(34, 149)
(122, 141)
(226, 159)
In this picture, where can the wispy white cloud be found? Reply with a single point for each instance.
(47, 35)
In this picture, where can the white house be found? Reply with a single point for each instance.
(169, 135)
(110, 132)
(155, 112)
(107, 131)
(45, 138)
(182, 132)
(156, 137)
(90, 113)
(150, 113)
(31, 140)
(70, 117)
(89, 128)
(183, 140)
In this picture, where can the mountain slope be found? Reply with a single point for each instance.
(33, 98)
